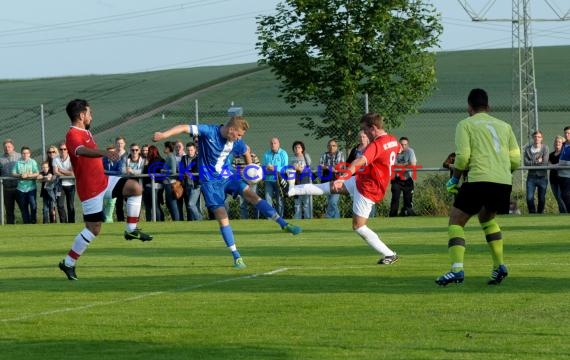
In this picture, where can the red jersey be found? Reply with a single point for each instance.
(380, 156)
(89, 173)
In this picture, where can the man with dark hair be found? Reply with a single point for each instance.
(487, 147)
(403, 183)
(536, 154)
(93, 186)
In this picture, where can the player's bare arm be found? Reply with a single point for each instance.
(247, 156)
(178, 129)
(87, 152)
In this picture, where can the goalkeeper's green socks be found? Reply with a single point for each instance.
(494, 238)
(456, 247)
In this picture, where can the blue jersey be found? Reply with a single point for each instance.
(215, 152)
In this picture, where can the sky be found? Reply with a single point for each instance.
(40, 38)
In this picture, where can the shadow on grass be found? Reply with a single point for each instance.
(135, 350)
(171, 279)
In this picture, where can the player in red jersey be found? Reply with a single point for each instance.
(93, 185)
(373, 173)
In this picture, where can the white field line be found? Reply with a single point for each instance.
(139, 297)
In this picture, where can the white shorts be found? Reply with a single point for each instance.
(95, 204)
(361, 206)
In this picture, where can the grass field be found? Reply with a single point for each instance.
(315, 296)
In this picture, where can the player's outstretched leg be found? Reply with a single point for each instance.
(269, 212)
(309, 189)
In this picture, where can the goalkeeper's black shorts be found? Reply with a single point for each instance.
(472, 197)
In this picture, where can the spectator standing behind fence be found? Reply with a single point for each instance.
(27, 170)
(171, 169)
(47, 192)
(328, 163)
(244, 206)
(403, 182)
(65, 193)
(51, 155)
(153, 162)
(135, 162)
(120, 148)
(179, 153)
(7, 162)
(564, 174)
(144, 152)
(189, 163)
(301, 161)
(274, 160)
(536, 154)
(553, 159)
(449, 162)
(132, 165)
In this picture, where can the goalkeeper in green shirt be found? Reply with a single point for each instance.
(487, 148)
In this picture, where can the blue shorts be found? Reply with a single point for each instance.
(215, 191)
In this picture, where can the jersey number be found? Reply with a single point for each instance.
(392, 162)
(495, 137)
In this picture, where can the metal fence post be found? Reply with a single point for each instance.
(2, 201)
(42, 120)
(196, 111)
(153, 194)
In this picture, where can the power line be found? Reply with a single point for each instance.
(132, 32)
(110, 18)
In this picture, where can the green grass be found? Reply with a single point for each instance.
(315, 296)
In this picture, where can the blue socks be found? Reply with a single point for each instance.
(228, 236)
(269, 212)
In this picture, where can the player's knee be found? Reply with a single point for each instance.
(94, 228)
(132, 188)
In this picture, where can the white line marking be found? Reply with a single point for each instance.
(143, 296)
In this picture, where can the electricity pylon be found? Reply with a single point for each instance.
(524, 106)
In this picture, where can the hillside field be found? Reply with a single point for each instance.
(136, 105)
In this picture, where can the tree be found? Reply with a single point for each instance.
(331, 52)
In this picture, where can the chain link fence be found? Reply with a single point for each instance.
(430, 131)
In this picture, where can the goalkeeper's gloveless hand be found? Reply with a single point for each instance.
(452, 185)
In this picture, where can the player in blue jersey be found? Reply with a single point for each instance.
(215, 146)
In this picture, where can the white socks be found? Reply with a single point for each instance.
(310, 189)
(133, 211)
(80, 244)
(374, 241)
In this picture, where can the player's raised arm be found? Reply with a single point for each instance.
(247, 155)
(178, 129)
